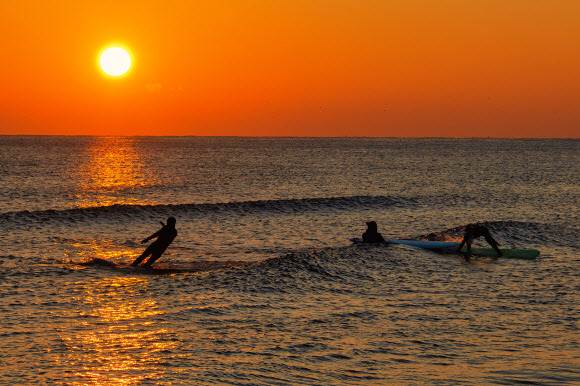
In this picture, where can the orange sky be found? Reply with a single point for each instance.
(497, 68)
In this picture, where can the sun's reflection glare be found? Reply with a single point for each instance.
(84, 251)
(121, 337)
(113, 169)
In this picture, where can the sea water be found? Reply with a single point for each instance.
(262, 286)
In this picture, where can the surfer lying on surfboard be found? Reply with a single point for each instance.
(371, 235)
(473, 231)
(164, 237)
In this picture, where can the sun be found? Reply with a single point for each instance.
(115, 61)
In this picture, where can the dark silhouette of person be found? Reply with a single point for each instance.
(165, 236)
(371, 235)
(474, 231)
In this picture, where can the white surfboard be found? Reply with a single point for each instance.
(417, 243)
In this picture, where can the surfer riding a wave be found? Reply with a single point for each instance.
(165, 236)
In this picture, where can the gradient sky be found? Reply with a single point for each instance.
(477, 68)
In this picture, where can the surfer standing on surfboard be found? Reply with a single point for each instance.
(473, 231)
(165, 236)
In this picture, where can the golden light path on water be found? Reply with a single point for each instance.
(86, 250)
(113, 164)
(119, 338)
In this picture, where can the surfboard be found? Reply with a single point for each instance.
(105, 262)
(507, 253)
(112, 264)
(156, 270)
(425, 244)
(512, 253)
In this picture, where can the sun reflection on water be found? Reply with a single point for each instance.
(120, 337)
(111, 172)
(83, 251)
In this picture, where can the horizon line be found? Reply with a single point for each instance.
(268, 136)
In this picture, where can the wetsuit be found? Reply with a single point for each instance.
(165, 236)
(371, 235)
(472, 232)
(372, 238)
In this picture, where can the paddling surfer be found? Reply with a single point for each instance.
(371, 235)
(164, 237)
(472, 232)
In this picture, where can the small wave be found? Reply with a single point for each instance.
(166, 268)
(290, 206)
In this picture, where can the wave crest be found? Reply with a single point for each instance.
(290, 206)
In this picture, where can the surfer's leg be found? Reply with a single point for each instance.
(154, 256)
(148, 251)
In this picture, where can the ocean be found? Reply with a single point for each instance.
(262, 285)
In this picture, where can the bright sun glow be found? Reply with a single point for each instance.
(115, 61)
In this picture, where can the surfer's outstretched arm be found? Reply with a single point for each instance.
(461, 245)
(152, 236)
(467, 242)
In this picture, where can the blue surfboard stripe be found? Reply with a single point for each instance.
(417, 243)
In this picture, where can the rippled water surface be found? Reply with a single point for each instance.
(262, 286)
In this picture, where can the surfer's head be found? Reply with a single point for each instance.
(171, 221)
(372, 226)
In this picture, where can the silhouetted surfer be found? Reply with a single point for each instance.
(165, 236)
(371, 235)
(472, 232)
